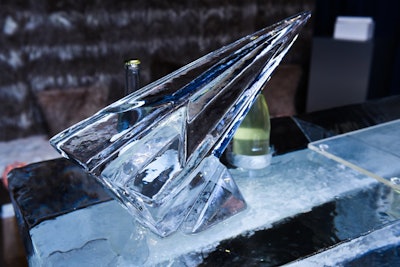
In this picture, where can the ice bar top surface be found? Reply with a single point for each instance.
(320, 202)
(157, 150)
(317, 208)
(282, 223)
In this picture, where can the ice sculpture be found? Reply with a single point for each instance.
(164, 165)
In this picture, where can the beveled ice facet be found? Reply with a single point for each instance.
(157, 149)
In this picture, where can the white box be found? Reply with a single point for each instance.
(354, 28)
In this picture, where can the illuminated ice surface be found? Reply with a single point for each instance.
(156, 149)
(295, 183)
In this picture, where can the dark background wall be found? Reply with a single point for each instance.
(60, 61)
(385, 71)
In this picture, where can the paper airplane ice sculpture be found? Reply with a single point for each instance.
(157, 150)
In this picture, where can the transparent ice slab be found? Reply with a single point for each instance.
(153, 148)
(374, 151)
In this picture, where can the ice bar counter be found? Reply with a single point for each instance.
(308, 208)
(146, 182)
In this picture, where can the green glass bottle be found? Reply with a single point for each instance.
(250, 148)
(132, 77)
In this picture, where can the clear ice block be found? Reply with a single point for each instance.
(163, 164)
(374, 151)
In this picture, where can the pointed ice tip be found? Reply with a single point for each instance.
(305, 15)
(302, 16)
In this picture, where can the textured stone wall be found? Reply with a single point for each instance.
(68, 46)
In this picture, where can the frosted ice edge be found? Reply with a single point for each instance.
(174, 126)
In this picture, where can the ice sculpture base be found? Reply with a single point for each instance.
(209, 196)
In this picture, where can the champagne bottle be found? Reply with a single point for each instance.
(250, 147)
